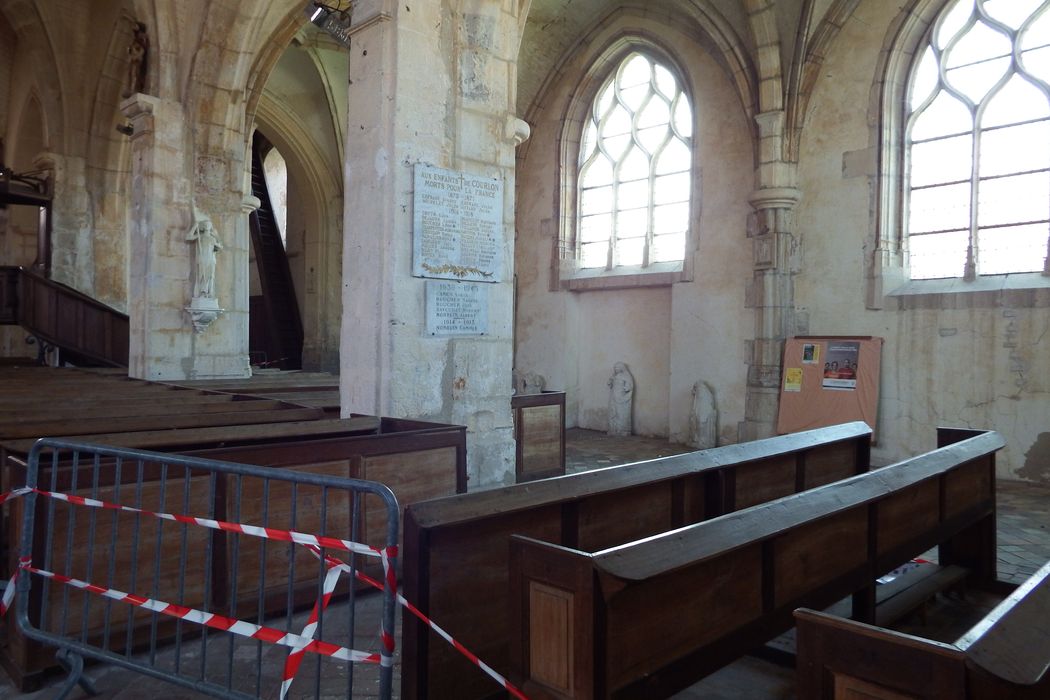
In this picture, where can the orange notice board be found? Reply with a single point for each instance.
(829, 380)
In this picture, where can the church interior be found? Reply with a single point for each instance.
(809, 236)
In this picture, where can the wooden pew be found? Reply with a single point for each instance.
(456, 549)
(1004, 656)
(651, 617)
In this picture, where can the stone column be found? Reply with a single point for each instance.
(369, 222)
(776, 254)
(439, 97)
(163, 343)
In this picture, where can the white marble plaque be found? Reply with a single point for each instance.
(457, 230)
(457, 308)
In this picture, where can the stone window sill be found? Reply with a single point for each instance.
(662, 275)
(1019, 289)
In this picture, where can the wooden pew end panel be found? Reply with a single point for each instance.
(551, 594)
(840, 659)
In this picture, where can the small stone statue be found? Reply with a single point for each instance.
(138, 55)
(528, 383)
(703, 419)
(621, 393)
(208, 244)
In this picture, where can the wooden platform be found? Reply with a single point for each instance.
(313, 389)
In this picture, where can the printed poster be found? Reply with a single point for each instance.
(810, 354)
(840, 366)
(793, 379)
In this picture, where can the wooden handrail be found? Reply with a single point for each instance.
(72, 321)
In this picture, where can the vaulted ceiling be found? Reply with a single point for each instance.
(554, 27)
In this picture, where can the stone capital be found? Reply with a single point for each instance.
(518, 130)
(138, 104)
(770, 123)
(775, 198)
(250, 203)
(139, 108)
(48, 160)
(370, 13)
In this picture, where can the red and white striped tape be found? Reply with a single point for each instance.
(471, 656)
(298, 643)
(219, 622)
(9, 594)
(270, 533)
(295, 656)
(9, 591)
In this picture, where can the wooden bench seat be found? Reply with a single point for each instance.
(456, 549)
(189, 438)
(134, 423)
(121, 409)
(650, 617)
(1004, 656)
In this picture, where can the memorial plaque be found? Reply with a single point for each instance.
(457, 225)
(457, 308)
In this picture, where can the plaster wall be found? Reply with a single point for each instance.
(669, 336)
(971, 359)
(630, 326)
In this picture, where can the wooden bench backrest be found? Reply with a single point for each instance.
(1013, 640)
(650, 616)
(1006, 655)
(456, 549)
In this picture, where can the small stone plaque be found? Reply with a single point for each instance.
(457, 230)
(457, 308)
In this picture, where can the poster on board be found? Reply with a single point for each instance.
(829, 380)
(840, 366)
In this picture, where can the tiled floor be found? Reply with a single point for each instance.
(1024, 545)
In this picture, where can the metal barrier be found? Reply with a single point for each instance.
(137, 558)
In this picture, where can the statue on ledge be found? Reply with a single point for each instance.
(621, 394)
(208, 245)
(138, 56)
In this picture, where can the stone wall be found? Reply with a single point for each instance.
(965, 358)
(670, 336)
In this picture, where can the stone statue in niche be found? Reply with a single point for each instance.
(703, 418)
(528, 383)
(138, 55)
(621, 394)
(208, 245)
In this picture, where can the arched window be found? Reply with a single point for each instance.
(634, 174)
(977, 142)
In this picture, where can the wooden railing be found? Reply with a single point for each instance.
(9, 295)
(83, 328)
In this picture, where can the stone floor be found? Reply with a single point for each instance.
(1024, 545)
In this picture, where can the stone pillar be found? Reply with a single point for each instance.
(163, 343)
(441, 98)
(370, 215)
(776, 254)
(71, 235)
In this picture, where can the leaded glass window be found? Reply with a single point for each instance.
(635, 170)
(978, 142)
